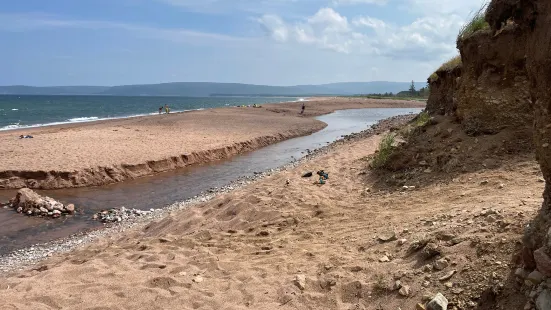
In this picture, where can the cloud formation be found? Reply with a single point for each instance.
(424, 38)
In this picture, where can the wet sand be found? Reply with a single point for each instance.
(105, 152)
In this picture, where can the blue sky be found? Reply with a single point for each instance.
(275, 42)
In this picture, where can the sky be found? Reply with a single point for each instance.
(269, 42)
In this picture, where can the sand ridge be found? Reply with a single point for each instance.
(111, 151)
(287, 243)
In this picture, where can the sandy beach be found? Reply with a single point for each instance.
(285, 242)
(103, 152)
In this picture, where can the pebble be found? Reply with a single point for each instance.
(384, 259)
(447, 276)
(300, 281)
(387, 236)
(198, 279)
(404, 291)
(439, 302)
(440, 264)
(534, 278)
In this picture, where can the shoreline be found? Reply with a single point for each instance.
(217, 133)
(24, 258)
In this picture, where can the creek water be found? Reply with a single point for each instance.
(18, 231)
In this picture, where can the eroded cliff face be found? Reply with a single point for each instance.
(494, 92)
(443, 88)
(524, 29)
(505, 83)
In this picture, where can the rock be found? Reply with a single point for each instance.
(543, 262)
(431, 250)
(404, 291)
(521, 273)
(448, 284)
(420, 307)
(535, 277)
(402, 241)
(308, 175)
(397, 285)
(198, 279)
(528, 258)
(56, 212)
(544, 300)
(447, 276)
(387, 236)
(300, 281)
(43, 210)
(440, 264)
(70, 208)
(439, 302)
(384, 259)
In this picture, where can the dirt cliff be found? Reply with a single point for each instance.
(504, 86)
(534, 20)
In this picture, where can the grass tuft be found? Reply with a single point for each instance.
(385, 150)
(451, 64)
(422, 119)
(476, 23)
(433, 77)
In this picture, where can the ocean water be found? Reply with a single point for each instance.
(34, 111)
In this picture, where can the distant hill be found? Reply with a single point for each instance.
(205, 89)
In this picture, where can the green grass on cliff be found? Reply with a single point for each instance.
(451, 64)
(476, 23)
(448, 66)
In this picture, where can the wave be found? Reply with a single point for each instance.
(15, 126)
(15, 109)
(83, 119)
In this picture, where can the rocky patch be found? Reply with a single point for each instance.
(30, 203)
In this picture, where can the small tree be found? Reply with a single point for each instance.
(412, 88)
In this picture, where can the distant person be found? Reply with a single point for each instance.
(302, 109)
(167, 109)
(160, 110)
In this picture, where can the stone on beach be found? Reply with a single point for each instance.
(31, 203)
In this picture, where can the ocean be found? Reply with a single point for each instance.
(23, 111)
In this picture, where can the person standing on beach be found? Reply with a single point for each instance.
(302, 109)
(167, 109)
(160, 110)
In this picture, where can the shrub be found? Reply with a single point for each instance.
(385, 150)
(476, 23)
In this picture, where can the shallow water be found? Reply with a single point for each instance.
(17, 231)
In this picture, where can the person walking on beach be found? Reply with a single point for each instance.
(160, 110)
(302, 109)
(167, 109)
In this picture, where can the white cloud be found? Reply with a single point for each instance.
(424, 39)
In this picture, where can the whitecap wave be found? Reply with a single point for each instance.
(15, 109)
(83, 119)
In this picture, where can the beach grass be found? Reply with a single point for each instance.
(385, 150)
(476, 22)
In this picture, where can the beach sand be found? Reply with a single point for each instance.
(103, 152)
(286, 243)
